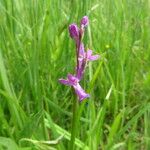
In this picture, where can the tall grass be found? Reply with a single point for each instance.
(35, 51)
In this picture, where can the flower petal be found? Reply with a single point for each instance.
(72, 79)
(93, 57)
(80, 92)
(89, 53)
(81, 50)
(63, 81)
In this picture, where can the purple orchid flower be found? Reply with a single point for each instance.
(74, 82)
(86, 55)
(83, 58)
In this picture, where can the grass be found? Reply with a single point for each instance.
(35, 51)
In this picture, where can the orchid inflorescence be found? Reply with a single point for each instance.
(82, 56)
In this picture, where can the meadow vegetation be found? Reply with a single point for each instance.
(35, 51)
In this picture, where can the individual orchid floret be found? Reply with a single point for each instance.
(84, 21)
(83, 59)
(87, 55)
(91, 57)
(74, 31)
(74, 82)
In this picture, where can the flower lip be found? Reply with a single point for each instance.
(91, 57)
(80, 92)
(88, 55)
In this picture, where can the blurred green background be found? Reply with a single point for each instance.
(36, 50)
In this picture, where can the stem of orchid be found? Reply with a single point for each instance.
(78, 48)
(74, 124)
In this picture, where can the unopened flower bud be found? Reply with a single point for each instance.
(74, 31)
(84, 21)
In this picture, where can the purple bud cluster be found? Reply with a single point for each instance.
(82, 56)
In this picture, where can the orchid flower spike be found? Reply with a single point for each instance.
(82, 58)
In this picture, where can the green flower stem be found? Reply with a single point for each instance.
(74, 124)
